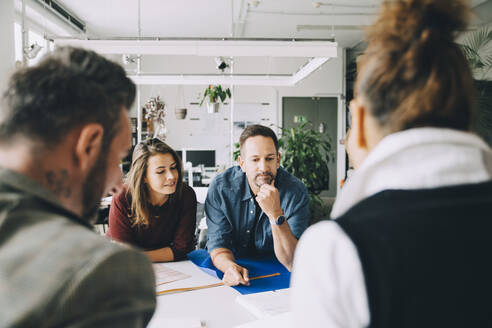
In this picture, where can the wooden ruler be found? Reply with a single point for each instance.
(187, 289)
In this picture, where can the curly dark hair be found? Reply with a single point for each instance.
(413, 74)
(68, 88)
(257, 130)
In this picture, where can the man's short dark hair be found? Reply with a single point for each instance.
(68, 88)
(257, 130)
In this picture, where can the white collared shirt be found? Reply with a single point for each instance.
(328, 288)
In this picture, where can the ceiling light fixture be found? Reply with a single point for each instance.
(32, 51)
(318, 50)
(226, 47)
(130, 59)
(221, 63)
(286, 80)
(317, 4)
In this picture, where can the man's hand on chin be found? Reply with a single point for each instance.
(269, 201)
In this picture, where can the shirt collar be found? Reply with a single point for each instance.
(420, 158)
(245, 189)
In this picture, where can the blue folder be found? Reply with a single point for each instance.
(257, 266)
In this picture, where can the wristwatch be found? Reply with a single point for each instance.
(280, 220)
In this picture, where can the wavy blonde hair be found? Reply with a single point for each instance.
(135, 179)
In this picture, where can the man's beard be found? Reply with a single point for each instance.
(260, 181)
(93, 188)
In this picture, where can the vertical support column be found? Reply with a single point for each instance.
(342, 119)
(139, 105)
(139, 63)
(25, 35)
(231, 161)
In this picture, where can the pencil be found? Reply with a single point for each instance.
(187, 289)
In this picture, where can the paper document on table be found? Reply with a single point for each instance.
(164, 274)
(278, 321)
(164, 322)
(266, 304)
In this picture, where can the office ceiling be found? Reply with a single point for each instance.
(343, 19)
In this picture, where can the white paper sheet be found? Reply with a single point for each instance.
(164, 274)
(278, 321)
(169, 322)
(266, 304)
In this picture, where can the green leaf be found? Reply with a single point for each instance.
(306, 154)
(214, 93)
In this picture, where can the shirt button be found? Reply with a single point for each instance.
(251, 212)
(247, 231)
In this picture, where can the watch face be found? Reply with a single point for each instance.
(280, 220)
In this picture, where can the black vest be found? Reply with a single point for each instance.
(426, 256)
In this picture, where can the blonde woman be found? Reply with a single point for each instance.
(155, 210)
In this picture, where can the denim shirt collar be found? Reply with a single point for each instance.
(244, 188)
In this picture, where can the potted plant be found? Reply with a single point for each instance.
(214, 93)
(237, 151)
(306, 154)
(476, 47)
(180, 113)
(180, 110)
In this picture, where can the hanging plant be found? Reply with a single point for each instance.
(180, 110)
(214, 93)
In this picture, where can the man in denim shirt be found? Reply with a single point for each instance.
(257, 208)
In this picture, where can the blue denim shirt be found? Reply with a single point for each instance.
(230, 210)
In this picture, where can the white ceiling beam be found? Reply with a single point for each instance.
(262, 80)
(233, 48)
(285, 80)
(320, 52)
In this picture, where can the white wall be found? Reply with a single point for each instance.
(7, 52)
(212, 131)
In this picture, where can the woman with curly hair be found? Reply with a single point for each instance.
(410, 240)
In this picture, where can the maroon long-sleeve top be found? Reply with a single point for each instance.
(170, 225)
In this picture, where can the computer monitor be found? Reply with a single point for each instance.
(201, 157)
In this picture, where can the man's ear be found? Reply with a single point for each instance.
(279, 156)
(88, 145)
(240, 160)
